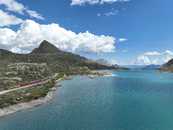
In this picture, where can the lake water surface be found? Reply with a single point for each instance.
(130, 100)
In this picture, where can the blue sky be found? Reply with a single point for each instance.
(146, 24)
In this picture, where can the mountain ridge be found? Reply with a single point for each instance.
(56, 59)
(45, 47)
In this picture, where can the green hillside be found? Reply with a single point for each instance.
(57, 60)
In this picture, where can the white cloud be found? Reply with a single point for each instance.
(113, 61)
(152, 53)
(93, 2)
(154, 58)
(7, 19)
(82, 2)
(34, 14)
(112, 1)
(31, 34)
(168, 52)
(122, 39)
(6, 37)
(111, 13)
(14, 6)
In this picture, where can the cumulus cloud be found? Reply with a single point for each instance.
(31, 34)
(93, 2)
(7, 19)
(154, 57)
(6, 37)
(14, 6)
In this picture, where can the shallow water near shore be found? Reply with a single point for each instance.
(129, 100)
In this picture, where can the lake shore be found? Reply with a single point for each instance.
(34, 103)
(27, 105)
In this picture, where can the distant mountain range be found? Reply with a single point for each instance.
(143, 67)
(151, 67)
(55, 58)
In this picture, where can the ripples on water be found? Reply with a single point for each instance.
(127, 100)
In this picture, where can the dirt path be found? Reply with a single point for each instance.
(27, 86)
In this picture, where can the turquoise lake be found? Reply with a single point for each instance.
(129, 100)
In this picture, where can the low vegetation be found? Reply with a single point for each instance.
(25, 95)
(44, 62)
(22, 73)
